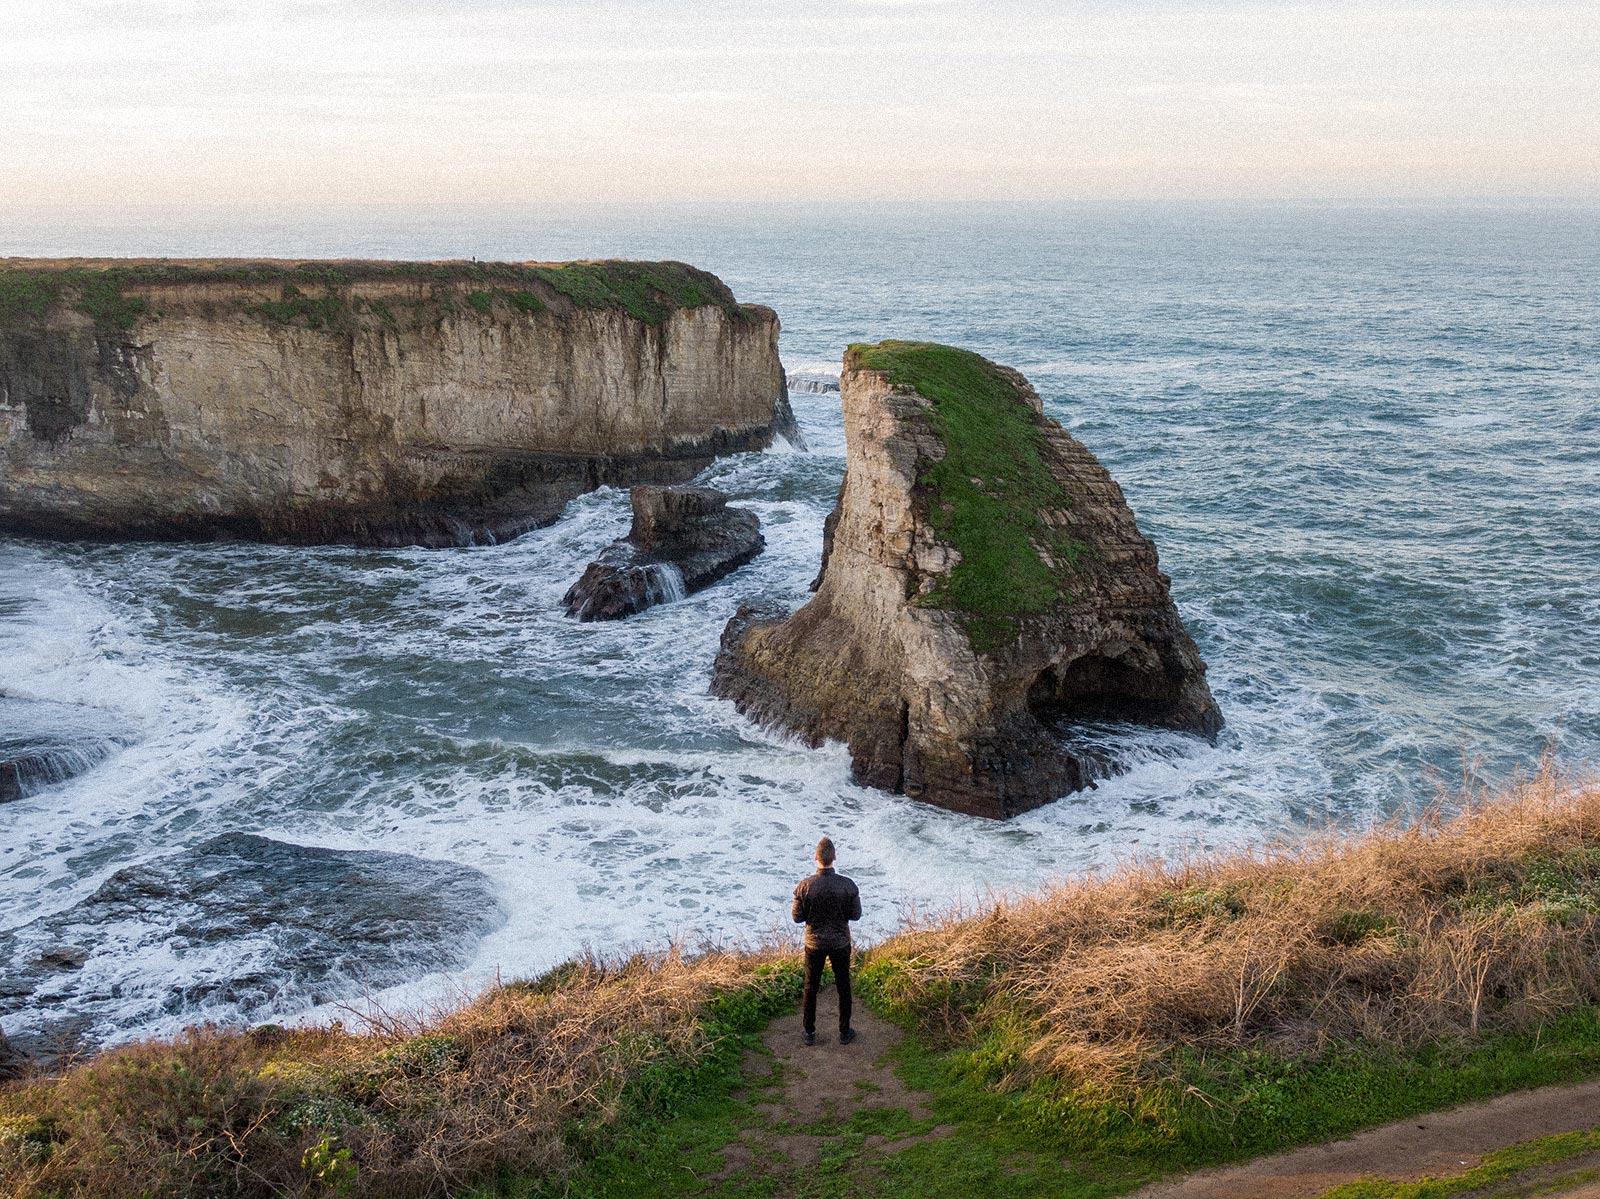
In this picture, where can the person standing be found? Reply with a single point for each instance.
(825, 903)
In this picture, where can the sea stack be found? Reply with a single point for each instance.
(683, 539)
(982, 576)
(374, 403)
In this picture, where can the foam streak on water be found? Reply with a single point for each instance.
(1366, 444)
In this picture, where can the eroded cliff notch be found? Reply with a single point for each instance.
(983, 579)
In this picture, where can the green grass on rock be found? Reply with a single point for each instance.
(990, 493)
(317, 295)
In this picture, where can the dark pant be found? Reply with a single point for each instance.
(839, 959)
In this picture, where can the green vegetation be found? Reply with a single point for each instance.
(27, 295)
(381, 310)
(101, 296)
(1072, 1044)
(1214, 1108)
(984, 1140)
(1511, 1173)
(992, 493)
(519, 301)
(326, 311)
(663, 1146)
(318, 295)
(332, 1170)
(646, 291)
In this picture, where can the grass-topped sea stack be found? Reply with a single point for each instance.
(982, 579)
(366, 402)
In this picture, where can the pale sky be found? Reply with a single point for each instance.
(508, 101)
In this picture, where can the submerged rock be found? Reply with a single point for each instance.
(683, 539)
(239, 927)
(983, 576)
(42, 744)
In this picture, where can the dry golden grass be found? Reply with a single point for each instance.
(1463, 924)
(1450, 924)
(509, 1080)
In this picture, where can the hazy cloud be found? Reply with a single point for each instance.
(311, 100)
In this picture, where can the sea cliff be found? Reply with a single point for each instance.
(364, 402)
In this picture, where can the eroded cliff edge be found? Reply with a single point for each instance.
(983, 579)
(364, 402)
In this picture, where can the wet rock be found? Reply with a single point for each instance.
(813, 383)
(983, 585)
(13, 1062)
(683, 539)
(42, 744)
(62, 957)
(240, 927)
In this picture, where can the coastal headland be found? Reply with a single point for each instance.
(376, 403)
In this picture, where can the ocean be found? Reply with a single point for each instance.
(1366, 441)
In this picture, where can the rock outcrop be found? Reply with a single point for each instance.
(250, 926)
(683, 539)
(812, 383)
(366, 403)
(42, 744)
(983, 579)
(13, 1063)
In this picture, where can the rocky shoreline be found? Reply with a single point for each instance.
(300, 925)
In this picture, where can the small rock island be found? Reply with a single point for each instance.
(983, 578)
(369, 403)
(683, 539)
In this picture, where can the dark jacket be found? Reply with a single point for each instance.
(826, 903)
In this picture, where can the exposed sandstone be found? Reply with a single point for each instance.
(373, 403)
(983, 579)
(683, 539)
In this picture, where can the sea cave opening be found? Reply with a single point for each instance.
(1114, 686)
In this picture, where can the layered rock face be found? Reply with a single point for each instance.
(367, 403)
(683, 539)
(983, 580)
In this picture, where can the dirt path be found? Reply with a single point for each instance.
(1441, 1145)
(811, 1098)
(827, 1119)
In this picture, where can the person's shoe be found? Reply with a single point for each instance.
(847, 1036)
(810, 1038)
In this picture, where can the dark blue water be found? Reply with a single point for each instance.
(1367, 443)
